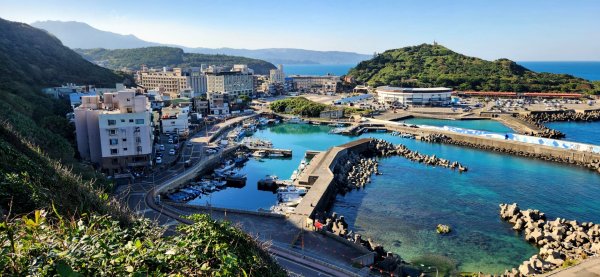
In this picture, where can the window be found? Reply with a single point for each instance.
(122, 120)
(115, 161)
(114, 151)
(124, 148)
(124, 140)
(131, 121)
(139, 149)
(112, 122)
(129, 110)
(139, 121)
(138, 139)
(114, 141)
(112, 132)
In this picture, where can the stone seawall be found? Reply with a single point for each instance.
(320, 177)
(585, 159)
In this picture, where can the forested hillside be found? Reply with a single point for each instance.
(428, 65)
(166, 56)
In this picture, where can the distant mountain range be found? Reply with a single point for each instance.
(159, 56)
(81, 35)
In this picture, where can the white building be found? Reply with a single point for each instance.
(276, 76)
(172, 82)
(175, 121)
(316, 84)
(414, 96)
(233, 84)
(115, 132)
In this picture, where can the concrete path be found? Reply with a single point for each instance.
(588, 268)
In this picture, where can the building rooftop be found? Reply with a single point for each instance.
(417, 90)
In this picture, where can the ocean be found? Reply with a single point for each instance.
(586, 70)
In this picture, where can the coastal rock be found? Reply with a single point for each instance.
(526, 268)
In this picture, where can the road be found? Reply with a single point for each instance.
(139, 198)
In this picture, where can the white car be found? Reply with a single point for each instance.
(211, 151)
(158, 160)
(170, 140)
(172, 152)
(161, 147)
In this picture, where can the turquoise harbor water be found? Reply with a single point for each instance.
(483, 125)
(586, 132)
(401, 208)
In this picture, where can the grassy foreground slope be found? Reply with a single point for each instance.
(429, 65)
(56, 218)
(160, 56)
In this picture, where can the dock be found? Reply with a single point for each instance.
(272, 151)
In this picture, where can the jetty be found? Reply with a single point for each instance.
(272, 151)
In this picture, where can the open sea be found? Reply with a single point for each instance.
(401, 208)
(586, 70)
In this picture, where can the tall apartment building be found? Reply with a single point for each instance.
(233, 84)
(276, 76)
(115, 132)
(197, 81)
(316, 84)
(171, 81)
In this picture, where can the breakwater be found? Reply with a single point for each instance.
(585, 159)
(543, 132)
(560, 240)
(539, 118)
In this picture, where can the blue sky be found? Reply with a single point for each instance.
(515, 29)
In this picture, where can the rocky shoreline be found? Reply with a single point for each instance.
(355, 171)
(560, 241)
(545, 131)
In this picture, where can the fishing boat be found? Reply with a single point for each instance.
(259, 154)
(336, 125)
(228, 165)
(268, 180)
(290, 200)
(338, 130)
(294, 175)
(276, 155)
(302, 165)
(291, 190)
(262, 121)
(296, 120)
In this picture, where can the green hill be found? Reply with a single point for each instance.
(429, 65)
(85, 231)
(160, 56)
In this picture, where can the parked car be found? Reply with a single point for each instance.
(189, 143)
(158, 160)
(187, 163)
(170, 141)
(161, 147)
(211, 151)
(176, 147)
(172, 152)
(159, 154)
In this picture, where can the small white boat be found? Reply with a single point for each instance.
(294, 175)
(275, 155)
(290, 200)
(228, 165)
(297, 120)
(259, 154)
(291, 190)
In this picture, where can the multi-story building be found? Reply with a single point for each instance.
(218, 103)
(175, 121)
(276, 76)
(115, 132)
(197, 81)
(316, 84)
(233, 84)
(171, 81)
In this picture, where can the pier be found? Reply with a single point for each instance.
(319, 176)
(272, 151)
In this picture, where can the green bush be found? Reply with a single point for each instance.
(99, 246)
